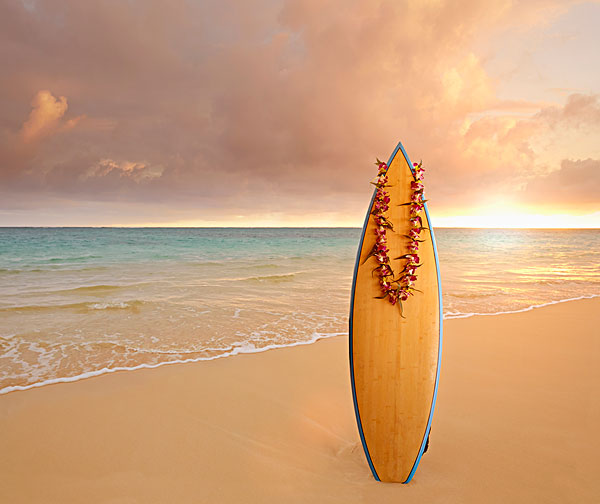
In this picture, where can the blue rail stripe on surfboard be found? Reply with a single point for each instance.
(356, 410)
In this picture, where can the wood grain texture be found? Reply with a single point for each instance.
(395, 359)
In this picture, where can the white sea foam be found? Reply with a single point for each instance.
(104, 306)
(246, 348)
(457, 315)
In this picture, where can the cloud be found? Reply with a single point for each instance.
(45, 117)
(279, 107)
(575, 183)
(502, 154)
(580, 111)
(138, 171)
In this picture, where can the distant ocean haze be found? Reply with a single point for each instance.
(75, 302)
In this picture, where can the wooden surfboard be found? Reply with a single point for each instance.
(395, 361)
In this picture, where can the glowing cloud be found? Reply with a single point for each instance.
(45, 117)
(137, 171)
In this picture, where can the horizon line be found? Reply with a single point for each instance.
(277, 227)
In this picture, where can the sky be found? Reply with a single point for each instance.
(272, 112)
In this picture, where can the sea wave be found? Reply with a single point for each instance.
(50, 269)
(81, 307)
(285, 277)
(94, 289)
(245, 348)
(275, 278)
(89, 289)
(470, 295)
(70, 259)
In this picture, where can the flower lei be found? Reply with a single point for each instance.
(397, 288)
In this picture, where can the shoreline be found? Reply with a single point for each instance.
(105, 371)
(515, 421)
(521, 310)
(241, 350)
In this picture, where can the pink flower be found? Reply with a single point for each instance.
(414, 233)
(393, 297)
(410, 279)
(416, 186)
(413, 246)
(413, 259)
(416, 208)
(381, 247)
(380, 207)
(382, 257)
(403, 295)
(385, 271)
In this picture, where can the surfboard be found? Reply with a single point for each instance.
(395, 354)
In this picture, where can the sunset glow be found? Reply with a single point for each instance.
(200, 115)
(514, 219)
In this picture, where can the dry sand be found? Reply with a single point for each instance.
(517, 420)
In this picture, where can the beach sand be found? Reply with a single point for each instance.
(517, 420)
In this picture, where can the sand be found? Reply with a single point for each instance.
(517, 420)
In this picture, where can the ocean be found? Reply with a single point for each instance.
(78, 302)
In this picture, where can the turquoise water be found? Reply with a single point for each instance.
(81, 301)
